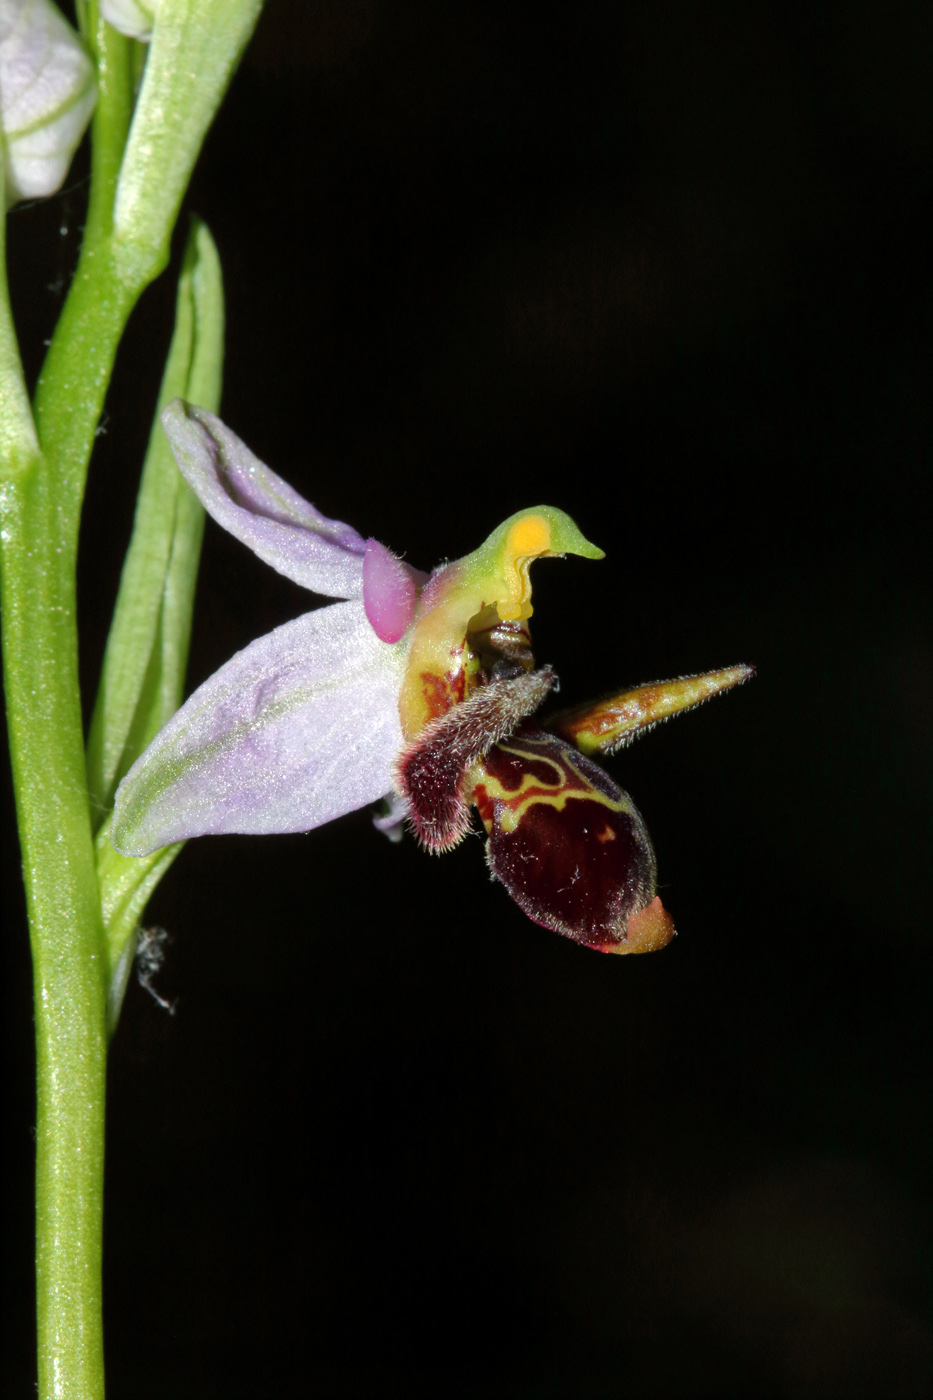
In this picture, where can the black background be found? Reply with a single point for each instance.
(663, 265)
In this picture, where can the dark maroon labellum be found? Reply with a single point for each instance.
(569, 845)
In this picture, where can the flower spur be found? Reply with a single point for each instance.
(421, 689)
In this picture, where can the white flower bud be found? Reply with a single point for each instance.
(131, 17)
(47, 94)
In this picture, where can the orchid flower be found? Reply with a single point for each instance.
(418, 689)
(134, 18)
(47, 94)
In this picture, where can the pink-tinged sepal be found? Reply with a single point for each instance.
(296, 729)
(255, 505)
(569, 845)
(432, 773)
(606, 725)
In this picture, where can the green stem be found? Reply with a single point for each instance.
(42, 490)
(113, 55)
(42, 478)
(41, 502)
(66, 934)
(63, 900)
(77, 369)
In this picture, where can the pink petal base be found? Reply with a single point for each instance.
(389, 592)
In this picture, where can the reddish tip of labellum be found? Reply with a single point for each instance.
(389, 592)
(648, 930)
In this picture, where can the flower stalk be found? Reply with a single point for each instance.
(37, 595)
(80, 922)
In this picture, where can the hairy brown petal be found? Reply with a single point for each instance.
(431, 773)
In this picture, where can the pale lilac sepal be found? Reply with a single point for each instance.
(296, 729)
(259, 508)
(390, 591)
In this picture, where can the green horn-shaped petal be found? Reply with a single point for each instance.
(498, 570)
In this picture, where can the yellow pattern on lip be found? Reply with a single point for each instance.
(555, 791)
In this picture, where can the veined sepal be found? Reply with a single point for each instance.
(296, 729)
